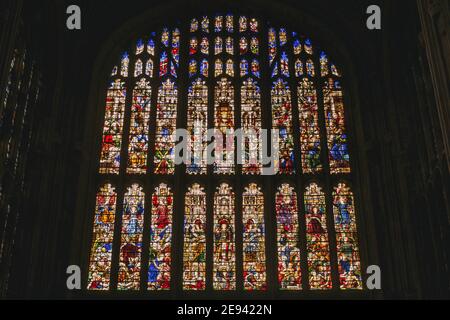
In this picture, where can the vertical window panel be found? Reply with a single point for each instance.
(324, 70)
(251, 128)
(218, 46)
(194, 250)
(139, 47)
(254, 249)
(197, 126)
(309, 127)
(165, 128)
(149, 68)
(224, 268)
(243, 24)
(113, 128)
(138, 68)
(282, 121)
(229, 23)
(102, 240)
(224, 126)
(139, 128)
(131, 239)
(160, 257)
(336, 132)
(289, 270)
(317, 241)
(349, 264)
(125, 64)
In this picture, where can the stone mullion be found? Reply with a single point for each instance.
(180, 186)
(269, 183)
(210, 185)
(299, 178)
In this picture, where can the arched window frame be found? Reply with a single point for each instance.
(325, 178)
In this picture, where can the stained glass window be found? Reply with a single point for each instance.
(349, 263)
(224, 65)
(289, 269)
(102, 241)
(113, 128)
(254, 260)
(282, 121)
(224, 125)
(131, 239)
(139, 128)
(224, 270)
(160, 257)
(194, 251)
(309, 127)
(165, 128)
(336, 132)
(317, 241)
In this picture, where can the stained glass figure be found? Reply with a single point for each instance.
(324, 70)
(166, 114)
(138, 68)
(204, 68)
(243, 46)
(317, 242)
(140, 47)
(151, 47)
(139, 128)
(149, 68)
(229, 45)
(230, 68)
(102, 239)
(164, 64)
(243, 23)
(204, 46)
(308, 47)
(197, 125)
(205, 24)
(131, 239)
(282, 121)
(254, 46)
(165, 37)
(298, 68)
(289, 270)
(251, 127)
(218, 66)
(224, 126)
(218, 24)
(218, 46)
(194, 25)
(254, 260)
(160, 256)
(193, 46)
(310, 70)
(229, 23)
(349, 263)
(254, 25)
(244, 68)
(224, 268)
(194, 252)
(113, 128)
(125, 64)
(335, 124)
(309, 127)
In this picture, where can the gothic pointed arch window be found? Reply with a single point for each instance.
(217, 221)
